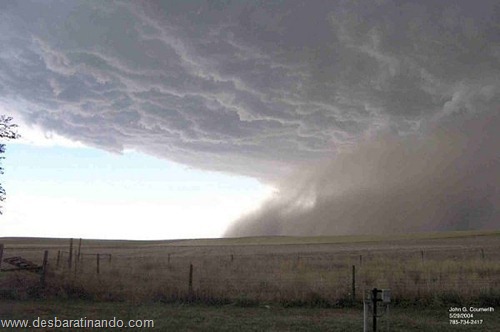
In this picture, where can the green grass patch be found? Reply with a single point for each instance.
(182, 317)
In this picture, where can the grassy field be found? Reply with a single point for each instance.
(273, 283)
(178, 317)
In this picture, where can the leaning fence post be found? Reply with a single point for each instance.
(44, 268)
(97, 263)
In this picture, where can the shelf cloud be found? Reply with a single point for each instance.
(347, 90)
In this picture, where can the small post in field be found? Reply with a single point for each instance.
(422, 254)
(482, 254)
(353, 283)
(1, 253)
(360, 259)
(44, 268)
(58, 258)
(232, 258)
(97, 256)
(79, 249)
(190, 285)
(374, 299)
(109, 258)
(168, 258)
(70, 258)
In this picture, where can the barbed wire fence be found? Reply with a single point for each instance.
(171, 272)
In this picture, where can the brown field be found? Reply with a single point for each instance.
(428, 269)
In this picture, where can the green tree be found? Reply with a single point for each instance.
(7, 132)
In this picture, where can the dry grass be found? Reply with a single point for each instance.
(451, 271)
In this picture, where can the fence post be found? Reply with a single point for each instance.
(374, 292)
(109, 258)
(70, 252)
(58, 258)
(44, 268)
(79, 249)
(1, 254)
(190, 286)
(360, 259)
(482, 253)
(422, 254)
(168, 258)
(353, 283)
(97, 263)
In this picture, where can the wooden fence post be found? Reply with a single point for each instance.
(168, 258)
(360, 259)
(422, 254)
(44, 268)
(482, 253)
(109, 258)
(79, 249)
(97, 263)
(353, 283)
(1, 254)
(58, 258)
(190, 285)
(70, 258)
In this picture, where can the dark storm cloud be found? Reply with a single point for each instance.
(256, 88)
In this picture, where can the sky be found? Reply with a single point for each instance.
(181, 119)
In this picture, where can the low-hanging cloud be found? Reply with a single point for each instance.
(443, 179)
(257, 88)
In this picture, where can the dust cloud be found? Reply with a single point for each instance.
(445, 177)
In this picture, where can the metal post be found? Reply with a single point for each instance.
(375, 299)
(365, 313)
(374, 303)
